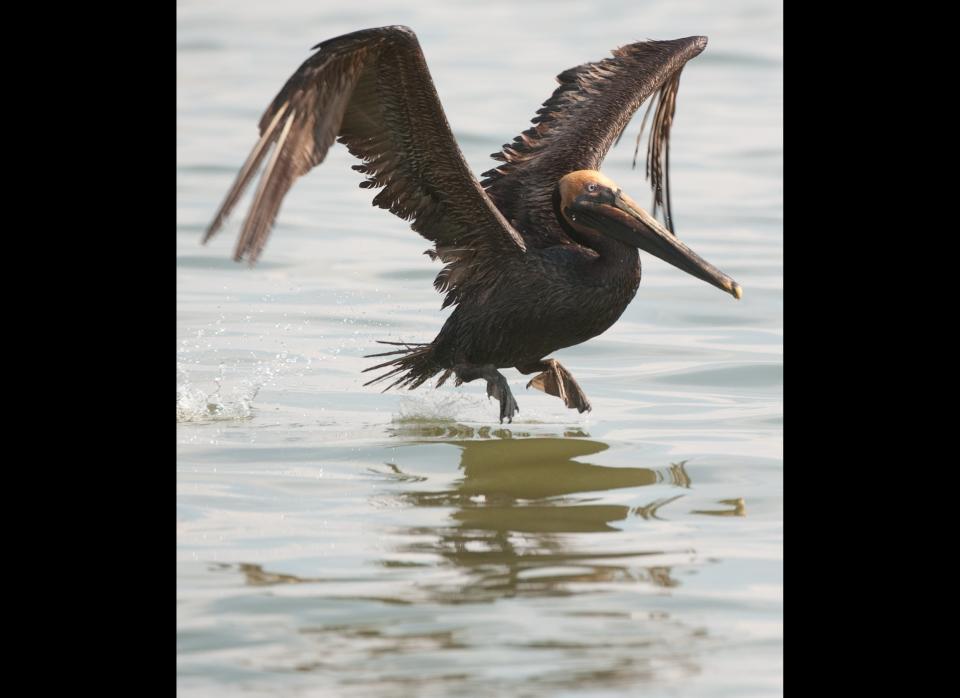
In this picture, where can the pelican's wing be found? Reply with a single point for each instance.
(372, 90)
(575, 128)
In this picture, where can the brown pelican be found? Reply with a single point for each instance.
(540, 255)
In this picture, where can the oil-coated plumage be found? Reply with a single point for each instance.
(540, 255)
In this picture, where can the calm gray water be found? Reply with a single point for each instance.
(336, 541)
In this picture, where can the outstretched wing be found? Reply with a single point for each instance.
(372, 90)
(575, 128)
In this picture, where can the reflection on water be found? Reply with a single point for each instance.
(739, 508)
(526, 520)
(520, 523)
(650, 511)
(509, 514)
(514, 505)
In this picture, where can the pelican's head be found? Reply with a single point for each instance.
(592, 201)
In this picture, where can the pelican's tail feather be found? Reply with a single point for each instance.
(413, 366)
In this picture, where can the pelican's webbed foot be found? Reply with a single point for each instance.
(497, 386)
(556, 380)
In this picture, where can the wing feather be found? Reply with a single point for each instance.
(372, 91)
(577, 125)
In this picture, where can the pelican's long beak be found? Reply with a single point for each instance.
(623, 219)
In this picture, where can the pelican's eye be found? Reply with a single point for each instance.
(592, 186)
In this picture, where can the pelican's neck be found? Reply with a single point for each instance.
(613, 257)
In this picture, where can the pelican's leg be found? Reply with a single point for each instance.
(496, 386)
(556, 380)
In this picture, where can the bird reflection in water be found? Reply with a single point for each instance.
(526, 520)
(515, 506)
(739, 508)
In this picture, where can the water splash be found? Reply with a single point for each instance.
(236, 382)
(432, 407)
(195, 404)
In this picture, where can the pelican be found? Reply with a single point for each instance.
(540, 255)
